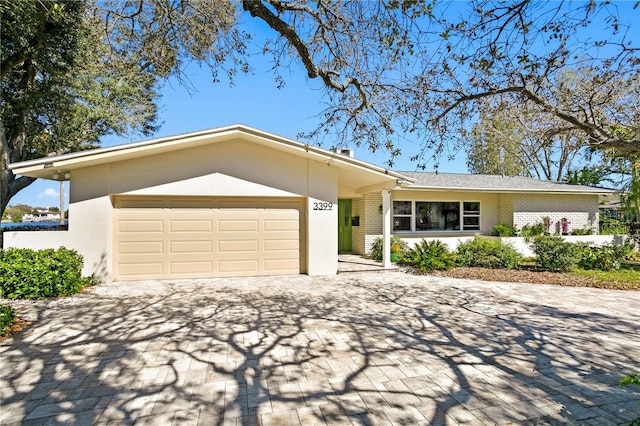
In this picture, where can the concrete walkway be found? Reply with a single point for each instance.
(372, 348)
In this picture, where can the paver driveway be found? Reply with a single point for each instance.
(354, 348)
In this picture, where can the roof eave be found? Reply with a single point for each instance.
(592, 191)
(35, 167)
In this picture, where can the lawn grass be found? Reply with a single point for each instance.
(627, 279)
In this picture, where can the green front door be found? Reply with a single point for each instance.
(344, 225)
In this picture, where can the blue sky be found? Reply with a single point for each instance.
(254, 100)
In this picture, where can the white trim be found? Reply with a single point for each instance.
(386, 228)
(412, 216)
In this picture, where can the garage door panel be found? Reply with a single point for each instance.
(141, 226)
(230, 225)
(280, 245)
(278, 265)
(141, 270)
(238, 246)
(271, 225)
(249, 265)
(191, 247)
(206, 237)
(190, 267)
(190, 225)
(140, 247)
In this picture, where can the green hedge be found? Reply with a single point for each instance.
(36, 274)
(487, 253)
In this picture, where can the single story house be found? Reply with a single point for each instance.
(237, 201)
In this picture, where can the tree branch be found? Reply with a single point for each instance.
(257, 9)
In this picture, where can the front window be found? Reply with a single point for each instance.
(424, 216)
(437, 216)
(402, 215)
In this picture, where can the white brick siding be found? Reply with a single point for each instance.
(505, 208)
(373, 223)
(357, 232)
(580, 210)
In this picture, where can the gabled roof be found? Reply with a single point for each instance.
(349, 168)
(496, 183)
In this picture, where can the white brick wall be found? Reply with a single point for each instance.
(580, 210)
(505, 208)
(357, 232)
(373, 223)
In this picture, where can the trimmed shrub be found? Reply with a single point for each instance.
(7, 316)
(555, 254)
(605, 257)
(487, 253)
(502, 230)
(376, 247)
(31, 274)
(429, 256)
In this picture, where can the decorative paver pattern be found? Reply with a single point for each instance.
(377, 348)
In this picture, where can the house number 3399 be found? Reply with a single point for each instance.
(323, 206)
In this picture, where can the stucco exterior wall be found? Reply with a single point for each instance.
(582, 211)
(231, 168)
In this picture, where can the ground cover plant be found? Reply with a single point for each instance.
(429, 256)
(36, 274)
(7, 316)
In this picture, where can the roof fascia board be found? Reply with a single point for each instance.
(594, 191)
(193, 139)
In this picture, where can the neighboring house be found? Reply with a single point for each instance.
(41, 216)
(237, 201)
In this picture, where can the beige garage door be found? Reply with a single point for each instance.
(159, 238)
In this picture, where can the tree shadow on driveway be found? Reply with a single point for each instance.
(365, 349)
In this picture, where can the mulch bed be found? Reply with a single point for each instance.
(515, 276)
(17, 325)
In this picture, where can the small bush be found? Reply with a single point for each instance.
(429, 256)
(582, 231)
(502, 230)
(396, 243)
(554, 253)
(487, 253)
(7, 316)
(610, 226)
(605, 257)
(530, 231)
(31, 274)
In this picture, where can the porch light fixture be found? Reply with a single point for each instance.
(61, 174)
